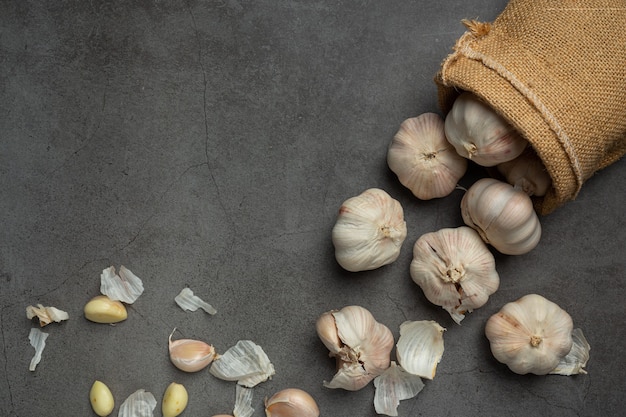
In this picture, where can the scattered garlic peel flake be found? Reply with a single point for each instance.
(246, 363)
(46, 315)
(243, 402)
(574, 362)
(138, 404)
(125, 286)
(420, 347)
(38, 341)
(393, 386)
(188, 301)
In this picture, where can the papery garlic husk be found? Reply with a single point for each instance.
(188, 301)
(503, 216)
(360, 345)
(141, 403)
(369, 231)
(125, 286)
(190, 355)
(246, 363)
(393, 386)
(574, 362)
(530, 335)
(478, 133)
(46, 315)
(420, 347)
(243, 403)
(422, 158)
(37, 340)
(291, 402)
(527, 173)
(455, 269)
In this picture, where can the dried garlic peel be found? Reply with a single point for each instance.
(188, 301)
(46, 315)
(393, 386)
(139, 404)
(246, 363)
(243, 402)
(38, 341)
(125, 287)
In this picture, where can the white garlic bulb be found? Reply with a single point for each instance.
(478, 133)
(530, 335)
(369, 231)
(503, 216)
(291, 402)
(528, 173)
(361, 346)
(422, 158)
(420, 347)
(455, 269)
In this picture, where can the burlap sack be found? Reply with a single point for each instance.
(556, 70)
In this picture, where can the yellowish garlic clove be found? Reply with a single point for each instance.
(420, 347)
(369, 231)
(291, 402)
(423, 159)
(101, 309)
(503, 216)
(101, 399)
(175, 400)
(478, 133)
(190, 355)
(527, 173)
(455, 269)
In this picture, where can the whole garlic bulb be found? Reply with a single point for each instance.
(503, 216)
(291, 402)
(423, 159)
(528, 173)
(361, 346)
(455, 269)
(478, 133)
(530, 335)
(369, 231)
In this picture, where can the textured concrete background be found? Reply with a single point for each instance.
(209, 144)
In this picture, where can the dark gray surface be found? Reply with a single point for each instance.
(209, 144)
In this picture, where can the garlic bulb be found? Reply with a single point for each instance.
(528, 173)
(530, 335)
(393, 386)
(291, 402)
(423, 159)
(190, 355)
(478, 133)
(369, 231)
(455, 269)
(361, 346)
(420, 347)
(502, 215)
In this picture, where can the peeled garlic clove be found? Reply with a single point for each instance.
(190, 355)
(37, 340)
(125, 287)
(393, 386)
(174, 400)
(369, 231)
(246, 363)
(188, 301)
(455, 269)
(423, 159)
(503, 216)
(46, 315)
(530, 335)
(101, 399)
(574, 362)
(291, 402)
(527, 173)
(101, 309)
(139, 404)
(420, 347)
(478, 133)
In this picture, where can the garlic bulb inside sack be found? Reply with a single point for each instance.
(478, 133)
(369, 231)
(534, 335)
(527, 173)
(360, 345)
(503, 216)
(422, 158)
(455, 269)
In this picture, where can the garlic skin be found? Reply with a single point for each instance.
(455, 269)
(420, 347)
(190, 355)
(369, 231)
(246, 362)
(503, 216)
(360, 345)
(423, 159)
(527, 173)
(291, 402)
(530, 335)
(37, 340)
(574, 362)
(46, 315)
(478, 133)
(393, 386)
(141, 403)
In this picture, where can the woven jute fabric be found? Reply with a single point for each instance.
(556, 70)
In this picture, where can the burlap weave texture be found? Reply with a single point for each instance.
(556, 70)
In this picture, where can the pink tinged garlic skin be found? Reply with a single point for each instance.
(291, 402)
(190, 355)
(527, 173)
(369, 231)
(455, 269)
(423, 159)
(478, 133)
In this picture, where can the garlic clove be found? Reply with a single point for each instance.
(393, 386)
(246, 363)
(101, 309)
(175, 400)
(423, 159)
(527, 172)
(327, 332)
(420, 347)
(188, 301)
(46, 315)
(37, 340)
(291, 402)
(455, 269)
(574, 362)
(190, 355)
(369, 231)
(139, 404)
(101, 399)
(125, 286)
